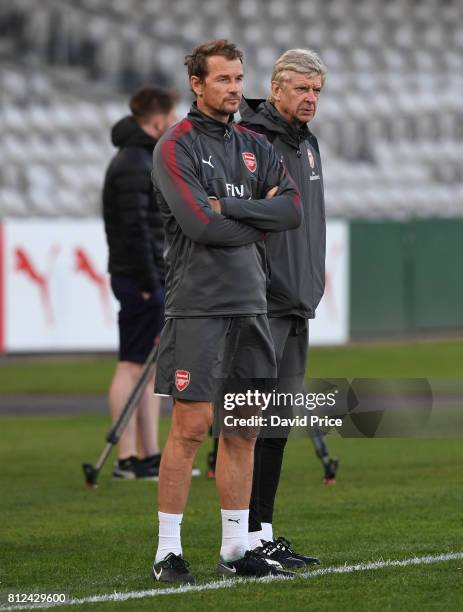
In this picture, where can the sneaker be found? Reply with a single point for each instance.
(125, 469)
(173, 568)
(141, 469)
(152, 465)
(148, 468)
(331, 467)
(251, 564)
(152, 460)
(211, 461)
(280, 550)
(133, 468)
(270, 551)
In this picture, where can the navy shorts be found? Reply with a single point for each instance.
(140, 320)
(197, 354)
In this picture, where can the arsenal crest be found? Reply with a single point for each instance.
(250, 161)
(182, 379)
(311, 159)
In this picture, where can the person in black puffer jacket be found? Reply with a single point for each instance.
(135, 238)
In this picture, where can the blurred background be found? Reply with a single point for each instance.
(390, 126)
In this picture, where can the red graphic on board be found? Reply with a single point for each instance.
(2, 294)
(24, 263)
(85, 265)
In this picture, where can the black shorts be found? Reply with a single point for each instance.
(195, 354)
(140, 320)
(291, 340)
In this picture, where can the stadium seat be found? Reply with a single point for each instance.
(390, 118)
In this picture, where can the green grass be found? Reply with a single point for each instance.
(414, 359)
(45, 375)
(93, 375)
(394, 499)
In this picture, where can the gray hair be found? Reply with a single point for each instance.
(303, 61)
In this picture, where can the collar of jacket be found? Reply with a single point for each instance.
(210, 126)
(126, 132)
(262, 112)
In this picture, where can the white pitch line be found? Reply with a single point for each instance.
(223, 584)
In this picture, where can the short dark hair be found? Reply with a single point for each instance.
(196, 62)
(151, 99)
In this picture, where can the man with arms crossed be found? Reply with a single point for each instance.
(297, 268)
(216, 306)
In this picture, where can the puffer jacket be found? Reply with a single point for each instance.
(133, 223)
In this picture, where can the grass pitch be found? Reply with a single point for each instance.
(89, 375)
(395, 499)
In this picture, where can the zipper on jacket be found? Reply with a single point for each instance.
(227, 138)
(307, 225)
(299, 140)
(307, 212)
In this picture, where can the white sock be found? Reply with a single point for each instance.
(255, 539)
(169, 535)
(234, 534)
(267, 532)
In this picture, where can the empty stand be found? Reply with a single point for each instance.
(390, 120)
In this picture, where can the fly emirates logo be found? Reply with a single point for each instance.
(234, 191)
